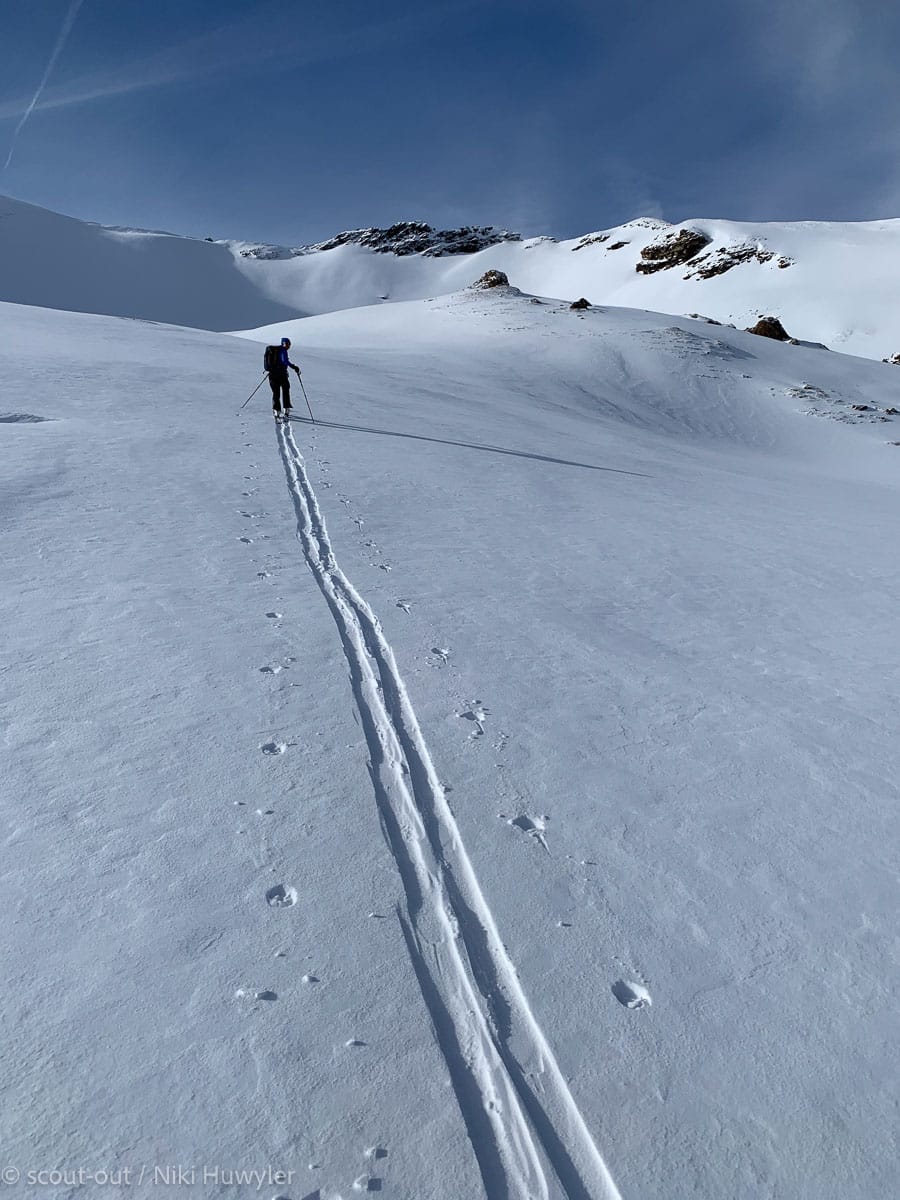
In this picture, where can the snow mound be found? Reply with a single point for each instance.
(678, 377)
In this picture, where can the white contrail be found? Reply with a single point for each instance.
(57, 50)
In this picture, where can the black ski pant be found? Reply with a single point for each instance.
(281, 391)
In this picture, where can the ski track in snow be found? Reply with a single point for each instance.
(520, 1116)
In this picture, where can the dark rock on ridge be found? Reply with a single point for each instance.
(770, 327)
(672, 251)
(415, 237)
(492, 279)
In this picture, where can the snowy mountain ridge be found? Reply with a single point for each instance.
(831, 283)
(403, 238)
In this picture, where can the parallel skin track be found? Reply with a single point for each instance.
(521, 1119)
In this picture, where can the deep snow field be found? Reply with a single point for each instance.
(487, 791)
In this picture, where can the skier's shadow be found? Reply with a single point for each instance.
(420, 437)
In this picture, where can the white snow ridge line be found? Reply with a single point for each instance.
(520, 1116)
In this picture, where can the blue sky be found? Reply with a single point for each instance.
(289, 121)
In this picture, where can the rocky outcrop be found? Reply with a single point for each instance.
(404, 238)
(894, 360)
(708, 320)
(580, 305)
(592, 239)
(415, 237)
(492, 279)
(717, 262)
(770, 327)
(725, 258)
(672, 251)
(267, 253)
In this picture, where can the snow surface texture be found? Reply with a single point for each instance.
(830, 283)
(488, 791)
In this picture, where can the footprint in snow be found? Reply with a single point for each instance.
(244, 994)
(247, 541)
(273, 748)
(535, 827)
(274, 616)
(404, 604)
(274, 669)
(366, 1183)
(631, 994)
(477, 714)
(281, 896)
(442, 654)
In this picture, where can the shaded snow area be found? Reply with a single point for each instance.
(488, 791)
(49, 259)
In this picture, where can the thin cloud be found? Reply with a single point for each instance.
(225, 49)
(827, 52)
(57, 50)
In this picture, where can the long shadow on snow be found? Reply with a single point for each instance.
(420, 437)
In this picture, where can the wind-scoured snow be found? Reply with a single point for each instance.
(488, 790)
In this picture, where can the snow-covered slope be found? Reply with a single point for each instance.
(488, 791)
(59, 262)
(831, 283)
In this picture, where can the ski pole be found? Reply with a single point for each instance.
(253, 393)
(306, 398)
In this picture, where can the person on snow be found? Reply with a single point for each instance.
(279, 381)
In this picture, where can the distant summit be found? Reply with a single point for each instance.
(404, 238)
